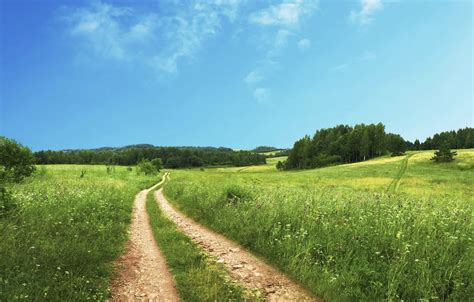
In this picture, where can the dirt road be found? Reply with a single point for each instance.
(243, 266)
(142, 271)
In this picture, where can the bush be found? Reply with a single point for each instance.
(16, 161)
(157, 163)
(444, 154)
(146, 167)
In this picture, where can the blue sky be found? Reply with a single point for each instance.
(236, 73)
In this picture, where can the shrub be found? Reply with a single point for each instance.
(444, 154)
(146, 167)
(16, 161)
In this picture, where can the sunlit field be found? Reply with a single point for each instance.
(395, 228)
(60, 241)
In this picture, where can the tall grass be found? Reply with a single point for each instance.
(343, 243)
(60, 242)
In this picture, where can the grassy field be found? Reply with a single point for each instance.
(60, 242)
(388, 228)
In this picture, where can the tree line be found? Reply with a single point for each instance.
(460, 139)
(172, 157)
(346, 144)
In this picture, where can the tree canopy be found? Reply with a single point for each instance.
(171, 157)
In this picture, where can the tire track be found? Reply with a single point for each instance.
(142, 271)
(393, 186)
(242, 265)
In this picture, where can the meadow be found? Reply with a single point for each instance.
(61, 240)
(394, 228)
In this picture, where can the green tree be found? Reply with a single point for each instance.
(280, 166)
(157, 163)
(16, 161)
(146, 167)
(395, 144)
(444, 154)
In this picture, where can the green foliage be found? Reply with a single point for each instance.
(172, 157)
(235, 194)
(146, 167)
(460, 139)
(396, 145)
(341, 144)
(198, 278)
(157, 163)
(280, 165)
(16, 161)
(7, 203)
(339, 233)
(61, 242)
(444, 154)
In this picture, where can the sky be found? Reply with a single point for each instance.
(234, 73)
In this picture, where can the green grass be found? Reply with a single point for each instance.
(198, 278)
(61, 241)
(390, 228)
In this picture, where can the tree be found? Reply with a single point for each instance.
(280, 166)
(16, 161)
(157, 163)
(395, 144)
(416, 145)
(146, 167)
(444, 154)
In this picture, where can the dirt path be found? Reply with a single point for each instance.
(142, 271)
(243, 266)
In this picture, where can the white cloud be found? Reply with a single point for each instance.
(338, 67)
(253, 77)
(162, 42)
(261, 95)
(365, 15)
(304, 44)
(281, 38)
(287, 13)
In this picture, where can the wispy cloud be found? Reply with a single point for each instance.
(261, 95)
(364, 15)
(123, 33)
(338, 67)
(283, 21)
(253, 77)
(288, 13)
(304, 44)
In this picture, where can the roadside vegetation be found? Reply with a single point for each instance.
(68, 226)
(197, 276)
(342, 231)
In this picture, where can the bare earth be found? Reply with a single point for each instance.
(142, 271)
(243, 266)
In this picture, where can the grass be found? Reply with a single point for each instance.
(198, 277)
(61, 241)
(348, 232)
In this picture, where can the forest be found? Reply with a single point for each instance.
(172, 157)
(346, 144)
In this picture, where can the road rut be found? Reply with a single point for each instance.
(142, 271)
(242, 265)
